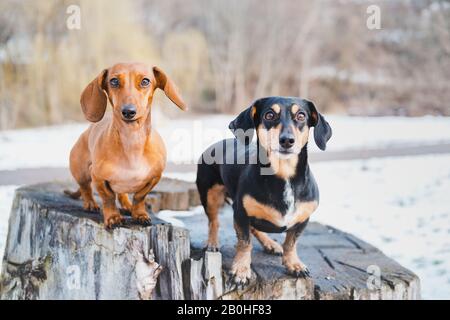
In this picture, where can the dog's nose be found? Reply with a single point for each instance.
(287, 140)
(128, 111)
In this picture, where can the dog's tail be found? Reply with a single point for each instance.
(73, 194)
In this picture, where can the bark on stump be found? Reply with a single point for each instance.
(56, 250)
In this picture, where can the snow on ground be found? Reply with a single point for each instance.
(186, 138)
(400, 205)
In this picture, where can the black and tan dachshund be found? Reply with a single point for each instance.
(270, 182)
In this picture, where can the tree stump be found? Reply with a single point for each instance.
(56, 250)
(173, 194)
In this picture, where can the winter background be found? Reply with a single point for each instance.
(385, 176)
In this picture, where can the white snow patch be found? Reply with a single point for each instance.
(400, 205)
(38, 147)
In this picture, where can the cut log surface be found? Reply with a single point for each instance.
(56, 250)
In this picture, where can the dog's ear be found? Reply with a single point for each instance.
(322, 130)
(164, 83)
(243, 126)
(93, 98)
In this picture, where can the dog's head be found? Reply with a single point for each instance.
(129, 87)
(282, 125)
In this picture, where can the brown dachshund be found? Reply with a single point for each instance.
(121, 153)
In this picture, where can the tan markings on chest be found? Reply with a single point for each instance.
(301, 211)
(283, 168)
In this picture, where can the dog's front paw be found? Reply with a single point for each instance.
(295, 267)
(91, 205)
(241, 274)
(273, 247)
(141, 217)
(113, 221)
(212, 247)
(126, 208)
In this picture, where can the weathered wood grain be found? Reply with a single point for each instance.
(56, 250)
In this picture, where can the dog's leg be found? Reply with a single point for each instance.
(269, 245)
(80, 167)
(138, 210)
(124, 201)
(290, 259)
(240, 268)
(88, 198)
(85, 192)
(111, 215)
(214, 201)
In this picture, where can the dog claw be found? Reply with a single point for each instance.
(91, 207)
(114, 226)
(230, 282)
(144, 222)
(305, 273)
(295, 267)
(302, 274)
(113, 222)
(274, 252)
(211, 248)
(142, 218)
(239, 281)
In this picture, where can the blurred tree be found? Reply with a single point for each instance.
(225, 54)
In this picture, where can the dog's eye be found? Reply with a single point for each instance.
(145, 82)
(269, 115)
(300, 116)
(114, 82)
